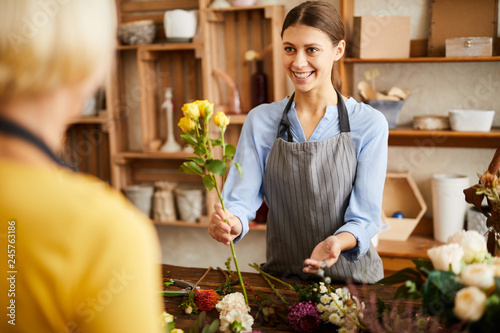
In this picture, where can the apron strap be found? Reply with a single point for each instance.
(343, 115)
(284, 125)
(10, 128)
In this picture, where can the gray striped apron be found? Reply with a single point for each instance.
(307, 186)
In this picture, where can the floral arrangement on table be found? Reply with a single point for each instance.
(195, 126)
(460, 284)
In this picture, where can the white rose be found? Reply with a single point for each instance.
(478, 275)
(473, 244)
(495, 266)
(232, 301)
(445, 255)
(470, 304)
(244, 318)
(334, 318)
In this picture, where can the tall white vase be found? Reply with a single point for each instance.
(449, 205)
(170, 145)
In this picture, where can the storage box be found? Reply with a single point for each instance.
(460, 18)
(401, 194)
(381, 37)
(390, 109)
(469, 47)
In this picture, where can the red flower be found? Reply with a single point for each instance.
(206, 300)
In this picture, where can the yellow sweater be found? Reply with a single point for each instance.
(75, 256)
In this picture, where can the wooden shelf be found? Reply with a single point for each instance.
(407, 136)
(89, 120)
(422, 59)
(154, 155)
(237, 119)
(236, 8)
(161, 46)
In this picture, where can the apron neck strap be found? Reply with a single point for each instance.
(284, 125)
(10, 128)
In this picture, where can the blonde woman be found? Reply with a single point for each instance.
(76, 257)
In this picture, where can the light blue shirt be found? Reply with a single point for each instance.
(243, 196)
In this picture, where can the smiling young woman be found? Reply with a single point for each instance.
(318, 158)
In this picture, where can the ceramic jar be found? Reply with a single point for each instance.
(141, 196)
(180, 25)
(189, 203)
(164, 203)
(243, 3)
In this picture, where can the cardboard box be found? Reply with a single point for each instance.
(401, 194)
(460, 18)
(469, 47)
(381, 37)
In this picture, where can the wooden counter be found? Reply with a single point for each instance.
(214, 279)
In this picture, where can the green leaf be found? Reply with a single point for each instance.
(170, 326)
(230, 151)
(191, 168)
(188, 138)
(239, 167)
(381, 307)
(216, 166)
(216, 142)
(402, 276)
(214, 326)
(209, 183)
(423, 265)
(197, 160)
(409, 291)
(440, 290)
(168, 283)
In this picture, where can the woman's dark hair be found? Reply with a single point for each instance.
(322, 16)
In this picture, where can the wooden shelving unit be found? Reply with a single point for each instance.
(421, 59)
(142, 72)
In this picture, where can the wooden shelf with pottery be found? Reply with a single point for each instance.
(407, 136)
(422, 59)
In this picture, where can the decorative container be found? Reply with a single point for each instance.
(381, 37)
(137, 32)
(141, 196)
(259, 85)
(401, 195)
(180, 25)
(189, 203)
(164, 202)
(448, 204)
(469, 47)
(390, 109)
(244, 3)
(431, 123)
(471, 120)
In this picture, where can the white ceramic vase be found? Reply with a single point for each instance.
(180, 25)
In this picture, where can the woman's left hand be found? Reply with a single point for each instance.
(328, 250)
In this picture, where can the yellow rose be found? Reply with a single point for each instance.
(166, 318)
(176, 330)
(186, 124)
(191, 110)
(221, 119)
(206, 108)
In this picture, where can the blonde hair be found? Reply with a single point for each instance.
(45, 44)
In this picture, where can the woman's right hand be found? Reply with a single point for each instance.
(219, 229)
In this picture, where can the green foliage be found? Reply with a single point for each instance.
(307, 292)
(189, 139)
(381, 307)
(216, 166)
(209, 182)
(204, 325)
(191, 168)
(440, 290)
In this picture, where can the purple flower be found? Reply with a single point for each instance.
(304, 317)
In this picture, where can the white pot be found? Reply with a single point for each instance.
(180, 25)
(448, 203)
